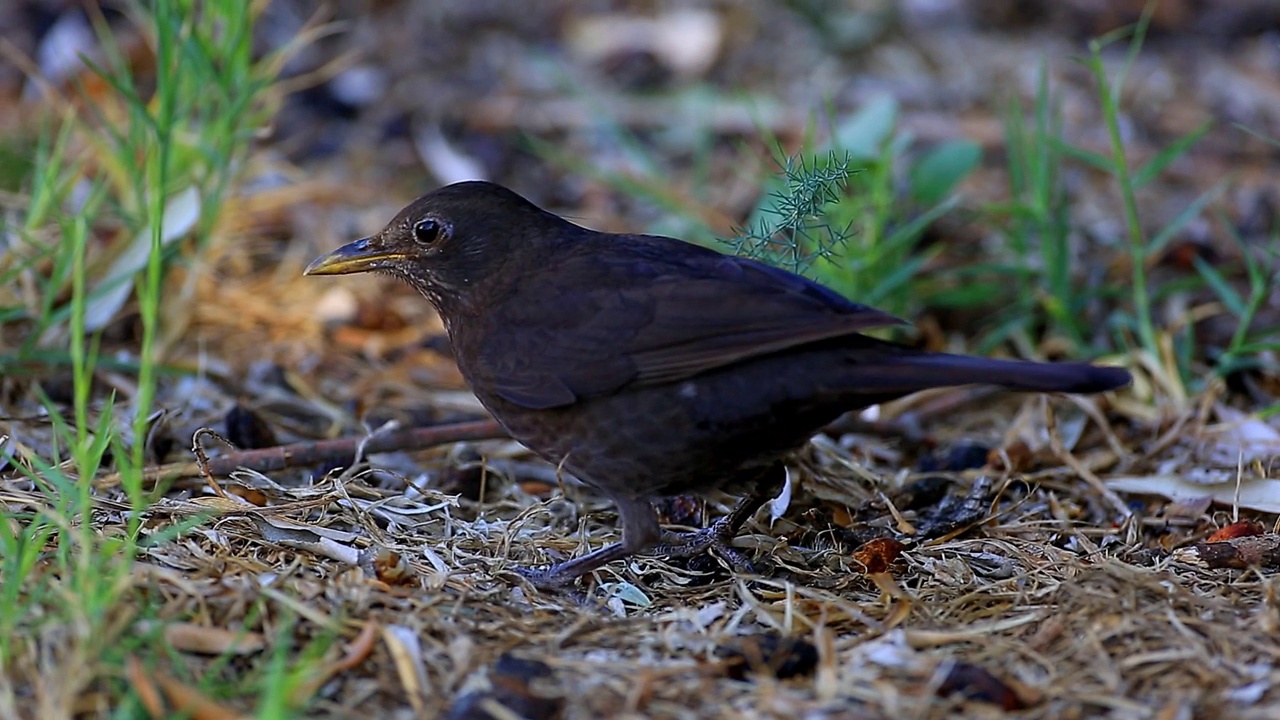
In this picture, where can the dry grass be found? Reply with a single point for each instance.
(1069, 608)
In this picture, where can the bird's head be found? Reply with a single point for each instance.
(450, 244)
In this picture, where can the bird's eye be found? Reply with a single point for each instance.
(427, 231)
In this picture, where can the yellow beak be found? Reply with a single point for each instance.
(354, 257)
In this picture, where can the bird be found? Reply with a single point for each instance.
(647, 366)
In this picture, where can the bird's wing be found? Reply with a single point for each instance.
(651, 320)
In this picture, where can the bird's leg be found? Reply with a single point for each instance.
(720, 533)
(639, 531)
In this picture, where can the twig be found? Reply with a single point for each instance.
(1071, 461)
(315, 452)
(202, 458)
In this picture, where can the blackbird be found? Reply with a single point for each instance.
(648, 366)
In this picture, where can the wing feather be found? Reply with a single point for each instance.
(660, 315)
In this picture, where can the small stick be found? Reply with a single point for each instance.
(202, 458)
(1071, 461)
(315, 452)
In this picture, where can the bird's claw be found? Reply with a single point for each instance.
(543, 579)
(716, 536)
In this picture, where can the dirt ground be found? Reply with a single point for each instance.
(1028, 557)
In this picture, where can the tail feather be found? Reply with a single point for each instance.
(911, 372)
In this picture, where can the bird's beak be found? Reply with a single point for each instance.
(354, 257)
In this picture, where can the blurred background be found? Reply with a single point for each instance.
(966, 145)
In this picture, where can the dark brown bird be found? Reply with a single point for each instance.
(648, 366)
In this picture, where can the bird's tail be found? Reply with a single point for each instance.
(911, 371)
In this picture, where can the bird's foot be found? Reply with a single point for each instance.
(640, 528)
(545, 578)
(717, 536)
(720, 533)
(563, 574)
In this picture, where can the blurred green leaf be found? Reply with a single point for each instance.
(1221, 287)
(1165, 157)
(941, 169)
(863, 134)
(1095, 160)
(1186, 215)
